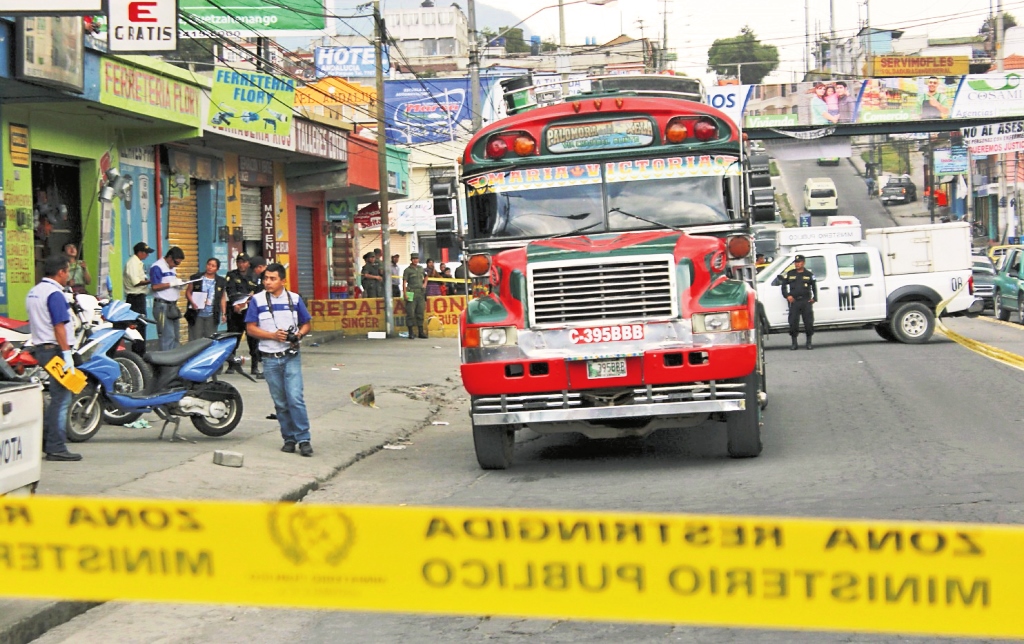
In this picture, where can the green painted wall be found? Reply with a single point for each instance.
(52, 131)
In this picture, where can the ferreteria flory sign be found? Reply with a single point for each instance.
(252, 102)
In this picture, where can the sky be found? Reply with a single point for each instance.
(692, 27)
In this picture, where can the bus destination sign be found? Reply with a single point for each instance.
(603, 135)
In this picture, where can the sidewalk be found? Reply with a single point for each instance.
(414, 382)
(912, 214)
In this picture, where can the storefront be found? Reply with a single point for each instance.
(58, 150)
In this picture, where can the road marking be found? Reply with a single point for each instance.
(995, 321)
(767, 572)
(1003, 356)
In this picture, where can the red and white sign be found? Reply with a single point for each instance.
(618, 333)
(142, 26)
(368, 216)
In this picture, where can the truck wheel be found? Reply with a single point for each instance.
(913, 323)
(744, 427)
(494, 446)
(1001, 313)
(884, 331)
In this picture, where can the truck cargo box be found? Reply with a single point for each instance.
(928, 248)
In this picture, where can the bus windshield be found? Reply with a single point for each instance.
(563, 200)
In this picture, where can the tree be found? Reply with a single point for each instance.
(989, 26)
(746, 53)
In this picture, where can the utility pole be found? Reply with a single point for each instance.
(561, 23)
(868, 67)
(382, 169)
(474, 67)
(1006, 225)
(665, 36)
(807, 37)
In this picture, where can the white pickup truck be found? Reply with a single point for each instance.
(21, 435)
(892, 280)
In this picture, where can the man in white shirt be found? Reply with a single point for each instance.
(166, 286)
(136, 281)
(49, 317)
(279, 320)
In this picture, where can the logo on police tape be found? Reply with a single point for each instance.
(311, 535)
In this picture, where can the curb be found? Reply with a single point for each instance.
(36, 623)
(22, 621)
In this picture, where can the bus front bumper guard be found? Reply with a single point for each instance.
(609, 412)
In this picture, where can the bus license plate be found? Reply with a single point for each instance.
(606, 368)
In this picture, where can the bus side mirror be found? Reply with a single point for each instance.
(444, 225)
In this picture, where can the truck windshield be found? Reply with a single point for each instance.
(561, 200)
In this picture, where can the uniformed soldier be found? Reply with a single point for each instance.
(242, 283)
(414, 282)
(372, 277)
(801, 290)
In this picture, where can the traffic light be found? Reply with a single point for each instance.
(443, 192)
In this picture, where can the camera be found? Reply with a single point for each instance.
(293, 339)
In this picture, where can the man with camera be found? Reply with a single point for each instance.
(278, 318)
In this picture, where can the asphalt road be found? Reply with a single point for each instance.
(853, 199)
(857, 428)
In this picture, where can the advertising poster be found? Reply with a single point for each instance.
(822, 103)
(877, 100)
(429, 111)
(252, 102)
(51, 52)
(951, 160)
(348, 62)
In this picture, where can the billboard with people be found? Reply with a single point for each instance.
(875, 100)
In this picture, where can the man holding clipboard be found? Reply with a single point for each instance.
(242, 283)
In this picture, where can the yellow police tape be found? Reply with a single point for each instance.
(829, 574)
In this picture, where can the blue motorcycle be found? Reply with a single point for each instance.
(184, 385)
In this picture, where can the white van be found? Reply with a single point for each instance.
(820, 197)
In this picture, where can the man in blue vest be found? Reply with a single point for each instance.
(49, 317)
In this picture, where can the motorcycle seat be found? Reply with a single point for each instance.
(178, 356)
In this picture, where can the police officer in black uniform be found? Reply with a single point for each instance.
(241, 284)
(801, 291)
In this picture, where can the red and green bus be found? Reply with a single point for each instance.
(613, 232)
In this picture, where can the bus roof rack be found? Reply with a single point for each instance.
(524, 93)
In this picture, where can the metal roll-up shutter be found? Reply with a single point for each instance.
(251, 228)
(183, 232)
(304, 251)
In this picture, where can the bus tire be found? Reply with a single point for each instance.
(743, 428)
(494, 446)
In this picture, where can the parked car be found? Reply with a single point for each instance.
(828, 161)
(899, 189)
(1009, 294)
(984, 273)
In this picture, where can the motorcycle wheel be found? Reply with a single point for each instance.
(83, 422)
(224, 393)
(136, 376)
